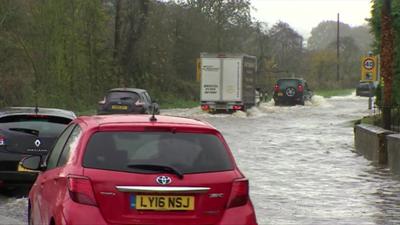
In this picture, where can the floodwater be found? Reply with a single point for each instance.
(301, 164)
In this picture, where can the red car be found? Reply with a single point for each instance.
(137, 169)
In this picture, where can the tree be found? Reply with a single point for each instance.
(226, 17)
(286, 47)
(387, 61)
(322, 69)
(325, 33)
(16, 65)
(349, 60)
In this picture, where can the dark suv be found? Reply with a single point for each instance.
(291, 91)
(127, 101)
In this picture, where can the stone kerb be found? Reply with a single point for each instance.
(370, 141)
(393, 148)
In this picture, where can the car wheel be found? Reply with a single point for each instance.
(290, 91)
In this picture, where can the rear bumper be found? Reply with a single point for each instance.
(243, 215)
(130, 110)
(223, 106)
(14, 178)
(286, 99)
(364, 93)
(71, 214)
(9, 174)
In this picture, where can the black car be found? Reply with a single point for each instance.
(27, 131)
(127, 101)
(366, 89)
(291, 91)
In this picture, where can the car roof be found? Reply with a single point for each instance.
(32, 111)
(144, 120)
(137, 90)
(291, 78)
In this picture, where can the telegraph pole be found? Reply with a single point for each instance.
(387, 61)
(337, 50)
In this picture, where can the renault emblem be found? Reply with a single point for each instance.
(37, 143)
(163, 180)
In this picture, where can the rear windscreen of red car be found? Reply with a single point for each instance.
(187, 152)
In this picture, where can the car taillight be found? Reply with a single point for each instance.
(237, 107)
(276, 88)
(300, 88)
(139, 103)
(205, 107)
(81, 190)
(2, 140)
(239, 193)
(102, 102)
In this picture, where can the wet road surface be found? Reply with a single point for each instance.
(301, 164)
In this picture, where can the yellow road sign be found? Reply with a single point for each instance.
(198, 71)
(369, 70)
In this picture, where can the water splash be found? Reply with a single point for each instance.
(254, 112)
(264, 109)
(318, 100)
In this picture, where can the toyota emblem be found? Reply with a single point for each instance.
(163, 180)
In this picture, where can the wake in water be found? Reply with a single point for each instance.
(263, 109)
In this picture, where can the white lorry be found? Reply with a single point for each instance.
(228, 82)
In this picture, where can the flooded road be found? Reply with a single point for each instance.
(301, 164)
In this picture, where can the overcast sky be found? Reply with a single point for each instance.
(303, 15)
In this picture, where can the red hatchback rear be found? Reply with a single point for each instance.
(128, 169)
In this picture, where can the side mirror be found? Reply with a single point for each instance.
(32, 162)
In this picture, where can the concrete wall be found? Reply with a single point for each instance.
(370, 141)
(393, 148)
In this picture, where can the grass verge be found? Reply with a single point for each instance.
(335, 92)
(178, 103)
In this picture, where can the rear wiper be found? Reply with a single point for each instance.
(125, 98)
(25, 130)
(158, 167)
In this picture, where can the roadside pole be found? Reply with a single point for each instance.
(370, 96)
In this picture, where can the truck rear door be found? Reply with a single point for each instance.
(210, 79)
(232, 79)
